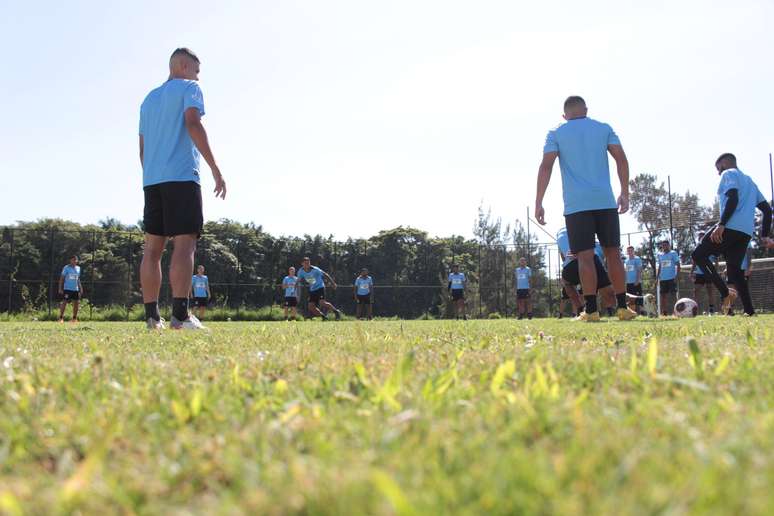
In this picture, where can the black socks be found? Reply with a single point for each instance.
(620, 300)
(152, 311)
(180, 308)
(591, 303)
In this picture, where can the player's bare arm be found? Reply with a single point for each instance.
(61, 282)
(330, 280)
(622, 166)
(544, 177)
(193, 122)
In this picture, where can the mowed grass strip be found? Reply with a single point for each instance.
(494, 417)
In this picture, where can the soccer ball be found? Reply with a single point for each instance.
(686, 307)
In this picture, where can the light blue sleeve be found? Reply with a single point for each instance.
(728, 181)
(64, 270)
(550, 145)
(193, 98)
(612, 138)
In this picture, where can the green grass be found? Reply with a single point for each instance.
(424, 417)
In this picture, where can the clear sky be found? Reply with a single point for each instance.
(345, 118)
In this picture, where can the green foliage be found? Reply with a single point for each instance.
(403, 417)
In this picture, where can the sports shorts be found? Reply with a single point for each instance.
(71, 295)
(457, 294)
(291, 301)
(522, 293)
(635, 290)
(315, 296)
(200, 301)
(173, 208)
(701, 279)
(667, 286)
(571, 273)
(364, 299)
(584, 226)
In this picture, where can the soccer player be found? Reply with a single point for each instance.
(200, 290)
(363, 290)
(315, 278)
(571, 275)
(70, 288)
(523, 293)
(738, 197)
(290, 289)
(590, 209)
(457, 282)
(668, 269)
(575, 301)
(172, 138)
(700, 279)
(633, 266)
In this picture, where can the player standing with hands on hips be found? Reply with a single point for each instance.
(457, 282)
(738, 196)
(590, 209)
(364, 291)
(70, 288)
(172, 139)
(523, 294)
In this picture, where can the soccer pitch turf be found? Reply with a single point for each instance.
(422, 417)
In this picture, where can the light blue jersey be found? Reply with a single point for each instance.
(290, 284)
(313, 278)
(582, 147)
(633, 269)
(457, 280)
(523, 274)
(169, 154)
(199, 285)
(72, 277)
(563, 243)
(743, 218)
(364, 285)
(668, 262)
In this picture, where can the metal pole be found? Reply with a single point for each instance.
(550, 294)
(771, 178)
(505, 279)
(50, 268)
(11, 274)
(671, 229)
(529, 262)
(479, 280)
(93, 259)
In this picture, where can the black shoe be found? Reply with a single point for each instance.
(338, 315)
(529, 316)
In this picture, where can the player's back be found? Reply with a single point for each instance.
(749, 197)
(169, 154)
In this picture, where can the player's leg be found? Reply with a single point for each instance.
(529, 304)
(581, 232)
(608, 229)
(287, 308)
(150, 274)
(329, 307)
(370, 310)
(202, 309)
(701, 254)
(62, 308)
(710, 300)
(181, 269)
(314, 309)
(76, 304)
(735, 251)
(358, 309)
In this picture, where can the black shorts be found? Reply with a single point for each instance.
(315, 296)
(457, 294)
(667, 286)
(173, 208)
(571, 273)
(200, 302)
(291, 301)
(635, 290)
(71, 295)
(584, 226)
(364, 299)
(701, 279)
(522, 293)
(564, 293)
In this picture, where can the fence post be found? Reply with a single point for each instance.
(50, 268)
(11, 273)
(550, 294)
(479, 281)
(93, 260)
(671, 228)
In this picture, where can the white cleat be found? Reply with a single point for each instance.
(153, 324)
(192, 323)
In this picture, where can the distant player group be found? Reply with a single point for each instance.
(172, 140)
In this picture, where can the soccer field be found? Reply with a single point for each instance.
(476, 417)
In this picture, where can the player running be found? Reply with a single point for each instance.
(200, 291)
(70, 288)
(315, 278)
(523, 291)
(700, 279)
(667, 271)
(172, 138)
(590, 208)
(633, 264)
(457, 283)
(290, 289)
(738, 197)
(363, 290)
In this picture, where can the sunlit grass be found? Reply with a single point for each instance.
(476, 417)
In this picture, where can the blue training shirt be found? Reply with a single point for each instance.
(668, 262)
(290, 284)
(523, 274)
(72, 276)
(563, 243)
(169, 154)
(743, 218)
(582, 147)
(457, 280)
(313, 278)
(633, 268)
(364, 285)
(199, 285)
